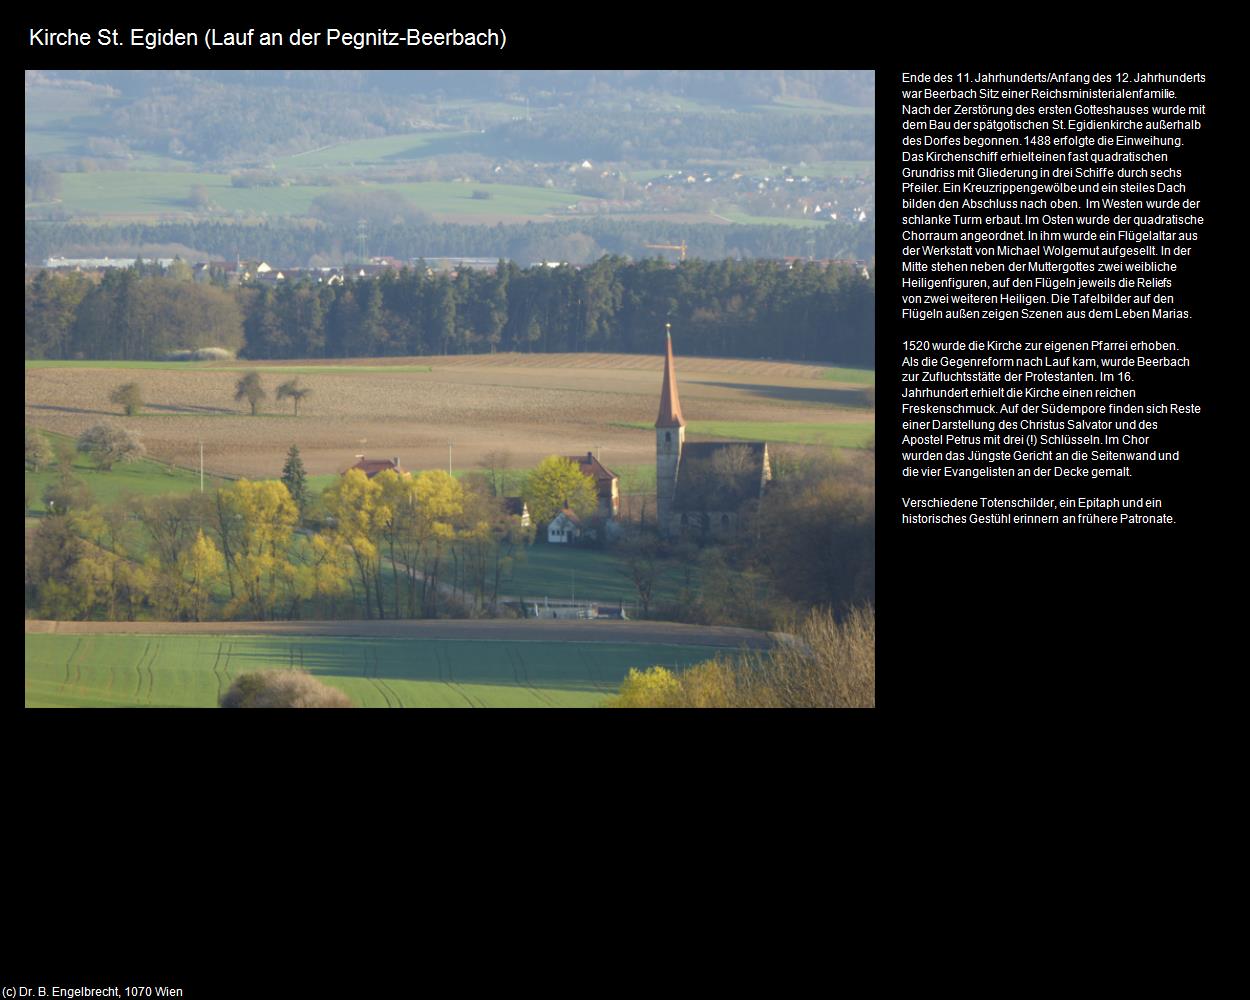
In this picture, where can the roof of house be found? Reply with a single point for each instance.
(720, 475)
(596, 470)
(372, 466)
(568, 515)
(670, 405)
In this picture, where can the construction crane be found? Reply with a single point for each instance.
(668, 246)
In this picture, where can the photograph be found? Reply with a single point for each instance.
(512, 388)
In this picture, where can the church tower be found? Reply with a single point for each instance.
(670, 435)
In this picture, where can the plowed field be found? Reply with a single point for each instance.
(529, 405)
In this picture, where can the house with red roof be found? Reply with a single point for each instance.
(607, 483)
(372, 466)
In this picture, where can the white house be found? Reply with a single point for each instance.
(564, 528)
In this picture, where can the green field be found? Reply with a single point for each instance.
(861, 169)
(142, 478)
(233, 366)
(832, 434)
(856, 376)
(164, 671)
(383, 150)
(166, 365)
(811, 105)
(746, 219)
(563, 573)
(148, 192)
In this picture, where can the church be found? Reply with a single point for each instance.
(701, 487)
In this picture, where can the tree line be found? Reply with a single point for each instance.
(388, 547)
(392, 546)
(299, 243)
(724, 308)
(128, 314)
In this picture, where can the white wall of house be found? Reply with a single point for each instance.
(561, 531)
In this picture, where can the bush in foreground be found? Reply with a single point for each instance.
(282, 689)
(826, 663)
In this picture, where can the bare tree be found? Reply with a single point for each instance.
(249, 388)
(496, 463)
(642, 568)
(293, 390)
(824, 663)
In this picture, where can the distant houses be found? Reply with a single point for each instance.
(607, 484)
(565, 528)
(372, 466)
(703, 488)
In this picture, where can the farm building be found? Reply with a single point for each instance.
(607, 483)
(701, 487)
(372, 466)
(565, 528)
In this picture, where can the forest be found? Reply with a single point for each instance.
(727, 308)
(300, 243)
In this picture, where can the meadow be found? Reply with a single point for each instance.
(136, 193)
(145, 478)
(174, 671)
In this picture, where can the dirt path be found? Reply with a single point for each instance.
(536, 630)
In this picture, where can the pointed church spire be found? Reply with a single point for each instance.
(670, 405)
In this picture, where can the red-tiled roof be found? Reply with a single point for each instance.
(372, 466)
(592, 467)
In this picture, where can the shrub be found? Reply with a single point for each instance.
(65, 493)
(129, 397)
(201, 354)
(825, 663)
(212, 354)
(38, 451)
(107, 445)
(282, 689)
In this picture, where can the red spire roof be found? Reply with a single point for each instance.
(670, 405)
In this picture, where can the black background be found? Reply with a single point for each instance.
(1009, 659)
(991, 620)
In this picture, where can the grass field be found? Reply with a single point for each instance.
(142, 478)
(861, 169)
(746, 219)
(562, 573)
(147, 192)
(834, 434)
(383, 150)
(164, 671)
(232, 366)
(811, 105)
(856, 376)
